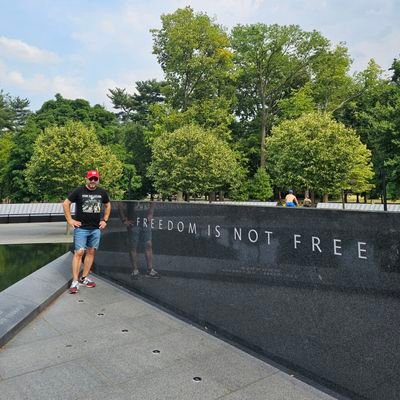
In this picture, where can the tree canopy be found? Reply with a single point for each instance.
(251, 110)
(272, 60)
(62, 155)
(314, 152)
(194, 161)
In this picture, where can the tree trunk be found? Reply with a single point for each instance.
(263, 129)
(262, 149)
(179, 196)
(325, 198)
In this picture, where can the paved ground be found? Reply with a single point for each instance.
(35, 232)
(106, 343)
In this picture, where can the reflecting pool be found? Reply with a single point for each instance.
(19, 260)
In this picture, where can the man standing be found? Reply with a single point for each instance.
(87, 226)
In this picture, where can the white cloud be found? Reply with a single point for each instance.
(18, 49)
(382, 49)
(70, 87)
(126, 80)
(125, 28)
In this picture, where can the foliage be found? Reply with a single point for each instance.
(271, 60)
(60, 111)
(139, 156)
(136, 107)
(13, 112)
(194, 161)
(330, 86)
(211, 114)
(316, 153)
(15, 187)
(260, 186)
(136, 116)
(5, 154)
(194, 54)
(376, 116)
(55, 112)
(61, 157)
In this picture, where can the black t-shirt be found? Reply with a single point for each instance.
(88, 205)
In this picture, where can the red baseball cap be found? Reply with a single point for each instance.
(92, 173)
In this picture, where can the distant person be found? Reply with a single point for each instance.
(139, 233)
(291, 200)
(87, 226)
(307, 201)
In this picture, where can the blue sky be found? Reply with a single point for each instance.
(81, 48)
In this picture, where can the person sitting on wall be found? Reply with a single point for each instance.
(291, 200)
(307, 201)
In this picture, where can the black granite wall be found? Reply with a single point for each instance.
(315, 290)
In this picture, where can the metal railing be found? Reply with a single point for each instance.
(32, 212)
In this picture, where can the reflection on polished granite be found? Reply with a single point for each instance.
(315, 290)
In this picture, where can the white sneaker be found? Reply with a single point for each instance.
(74, 288)
(86, 282)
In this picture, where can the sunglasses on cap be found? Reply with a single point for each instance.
(93, 178)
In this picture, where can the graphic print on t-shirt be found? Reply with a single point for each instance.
(91, 203)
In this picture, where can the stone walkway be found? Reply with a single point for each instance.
(105, 343)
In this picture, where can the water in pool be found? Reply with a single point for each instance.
(19, 260)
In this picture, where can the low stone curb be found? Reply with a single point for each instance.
(23, 301)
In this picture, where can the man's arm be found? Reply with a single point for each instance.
(67, 213)
(107, 211)
(106, 216)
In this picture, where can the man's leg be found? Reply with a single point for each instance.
(133, 237)
(133, 258)
(148, 253)
(88, 261)
(93, 241)
(76, 263)
(79, 251)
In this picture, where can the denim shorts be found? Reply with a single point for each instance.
(86, 238)
(138, 234)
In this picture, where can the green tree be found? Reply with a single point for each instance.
(260, 186)
(316, 153)
(211, 114)
(6, 144)
(330, 86)
(60, 111)
(62, 155)
(5, 113)
(376, 116)
(194, 54)
(138, 155)
(57, 113)
(194, 161)
(271, 61)
(13, 112)
(14, 185)
(135, 114)
(136, 107)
